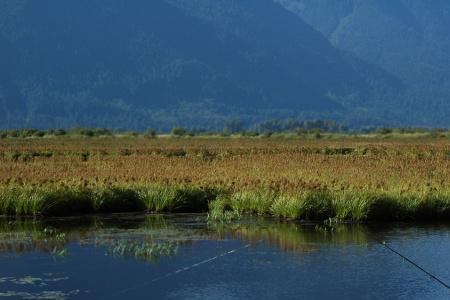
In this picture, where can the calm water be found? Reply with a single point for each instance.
(184, 257)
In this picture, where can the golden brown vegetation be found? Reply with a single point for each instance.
(274, 170)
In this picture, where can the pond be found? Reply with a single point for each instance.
(187, 257)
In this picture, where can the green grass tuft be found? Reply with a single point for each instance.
(256, 201)
(308, 205)
(177, 199)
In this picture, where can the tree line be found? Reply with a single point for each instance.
(231, 127)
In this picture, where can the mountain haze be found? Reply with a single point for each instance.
(198, 63)
(408, 38)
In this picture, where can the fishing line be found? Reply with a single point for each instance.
(185, 269)
(414, 264)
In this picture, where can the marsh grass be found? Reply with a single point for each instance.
(254, 202)
(158, 199)
(220, 210)
(31, 201)
(116, 200)
(316, 205)
(350, 180)
(177, 199)
(433, 207)
(48, 201)
(222, 204)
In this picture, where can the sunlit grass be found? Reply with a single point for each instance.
(351, 179)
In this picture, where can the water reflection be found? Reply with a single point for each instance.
(149, 238)
(294, 237)
(141, 238)
(185, 257)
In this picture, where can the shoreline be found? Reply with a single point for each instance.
(222, 204)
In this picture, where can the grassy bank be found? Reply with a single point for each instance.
(346, 179)
(349, 205)
(67, 201)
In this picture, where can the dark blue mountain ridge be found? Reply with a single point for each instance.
(133, 63)
(408, 38)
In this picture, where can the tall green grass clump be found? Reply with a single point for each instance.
(433, 207)
(17, 201)
(31, 201)
(65, 202)
(383, 206)
(366, 205)
(353, 205)
(306, 205)
(116, 200)
(229, 206)
(177, 199)
(220, 210)
(254, 202)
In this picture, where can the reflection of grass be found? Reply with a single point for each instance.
(294, 237)
(147, 239)
(154, 237)
(24, 236)
(145, 251)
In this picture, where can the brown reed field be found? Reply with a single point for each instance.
(345, 179)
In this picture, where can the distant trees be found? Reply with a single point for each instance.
(299, 126)
(31, 132)
(90, 132)
(316, 129)
(434, 132)
(22, 133)
(178, 131)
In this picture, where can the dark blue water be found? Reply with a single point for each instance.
(184, 257)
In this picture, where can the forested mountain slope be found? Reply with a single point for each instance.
(139, 63)
(409, 38)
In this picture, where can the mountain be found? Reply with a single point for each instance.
(408, 38)
(158, 63)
